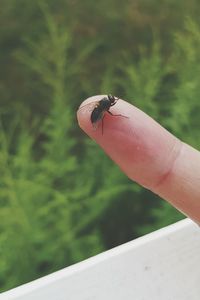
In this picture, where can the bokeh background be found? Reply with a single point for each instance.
(61, 199)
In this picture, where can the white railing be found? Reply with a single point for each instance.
(163, 265)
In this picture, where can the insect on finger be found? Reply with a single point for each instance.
(99, 108)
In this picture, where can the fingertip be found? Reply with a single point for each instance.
(136, 143)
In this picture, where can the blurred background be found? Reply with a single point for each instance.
(61, 199)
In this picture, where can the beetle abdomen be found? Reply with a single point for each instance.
(96, 115)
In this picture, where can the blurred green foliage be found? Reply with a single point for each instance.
(61, 198)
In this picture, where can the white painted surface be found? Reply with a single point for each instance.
(163, 265)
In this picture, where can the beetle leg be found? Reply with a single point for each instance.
(116, 115)
(114, 102)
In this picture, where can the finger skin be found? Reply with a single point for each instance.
(148, 154)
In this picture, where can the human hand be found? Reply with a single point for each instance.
(148, 154)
